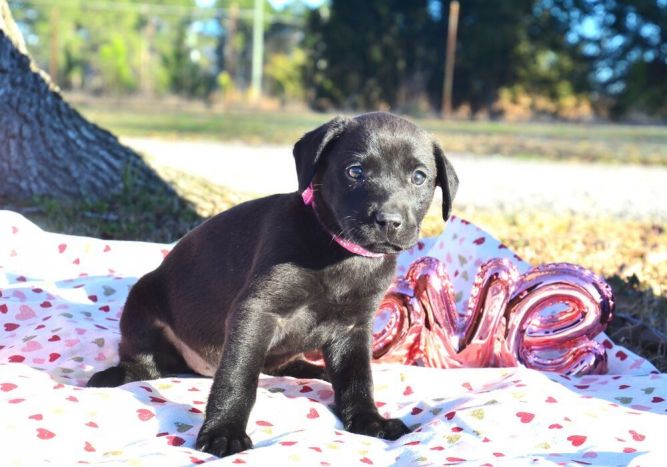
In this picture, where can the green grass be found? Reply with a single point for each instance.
(560, 141)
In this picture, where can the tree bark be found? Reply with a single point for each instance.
(46, 147)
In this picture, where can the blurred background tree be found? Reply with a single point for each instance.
(627, 43)
(516, 50)
(516, 59)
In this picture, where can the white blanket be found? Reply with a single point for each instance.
(61, 298)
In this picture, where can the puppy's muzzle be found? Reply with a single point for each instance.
(395, 228)
(388, 221)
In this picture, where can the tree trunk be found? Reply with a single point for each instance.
(46, 147)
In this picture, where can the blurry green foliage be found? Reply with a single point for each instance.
(225, 83)
(628, 50)
(284, 75)
(115, 67)
(390, 53)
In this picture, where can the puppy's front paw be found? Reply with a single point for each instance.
(377, 426)
(221, 440)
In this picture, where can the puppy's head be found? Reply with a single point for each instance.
(374, 176)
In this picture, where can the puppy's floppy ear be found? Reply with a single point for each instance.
(309, 149)
(447, 180)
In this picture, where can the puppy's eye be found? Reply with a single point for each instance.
(418, 177)
(355, 171)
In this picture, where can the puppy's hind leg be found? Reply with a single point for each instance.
(143, 356)
(145, 352)
(141, 367)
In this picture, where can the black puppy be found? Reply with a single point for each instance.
(254, 287)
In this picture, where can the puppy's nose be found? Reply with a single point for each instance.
(388, 220)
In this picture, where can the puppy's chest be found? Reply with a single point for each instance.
(354, 280)
(309, 327)
(332, 304)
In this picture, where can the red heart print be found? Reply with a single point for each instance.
(6, 387)
(16, 358)
(263, 423)
(61, 248)
(312, 413)
(88, 447)
(9, 327)
(416, 411)
(145, 414)
(175, 441)
(479, 241)
(43, 433)
(37, 416)
(577, 440)
(525, 417)
(637, 436)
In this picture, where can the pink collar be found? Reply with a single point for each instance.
(309, 200)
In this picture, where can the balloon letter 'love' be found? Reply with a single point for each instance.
(545, 319)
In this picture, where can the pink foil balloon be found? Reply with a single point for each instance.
(545, 319)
